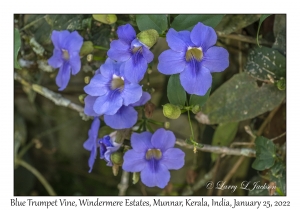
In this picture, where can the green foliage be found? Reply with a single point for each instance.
(234, 22)
(280, 33)
(175, 92)
(87, 48)
(239, 99)
(107, 19)
(17, 45)
(264, 61)
(157, 22)
(199, 100)
(187, 22)
(265, 154)
(63, 22)
(224, 135)
(262, 18)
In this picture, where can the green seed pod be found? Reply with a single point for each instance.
(281, 84)
(196, 109)
(148, 37)
(107, 19)
(86, 48)
(117, 158)
(171, 111)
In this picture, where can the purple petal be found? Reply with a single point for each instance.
(75, 62)
(157, 175)
(59, 37)
(73, 42)
(93, 134)
(63, 76)
(163, 139)
(92, 158)
(56, 60)
(196, 79)
(125, 117)
(135, 68)
(171, 62)
(126, 33)
(173, 158)
(119, 50)
(216, 59)
(147, 54)
(98, 86)
(178, 41)
(110, 67)
(109, 103)
(134, 161)
(203, 36)
(131, 93)
(89, 104)
(144, 98)
(141, 142)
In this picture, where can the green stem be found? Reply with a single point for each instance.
(38, 175)
(190, 122)
(100, 47)
(98, 58)
(155, 122)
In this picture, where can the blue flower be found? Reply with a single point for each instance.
(153, 156)
(65, 55)
(125, 117)
(106, 145)
(132, 52)
(111, 89)
(193, 55)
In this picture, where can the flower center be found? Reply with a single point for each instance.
(136, 49)
(66, 55)
(117, 83)
(153, 153)
(195, 53)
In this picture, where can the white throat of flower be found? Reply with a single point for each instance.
(194, 53)
(117, 83)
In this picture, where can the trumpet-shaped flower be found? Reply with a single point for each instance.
(65, 55)
(194, 56)
(153, 155)
(111, 90)
(134, 54)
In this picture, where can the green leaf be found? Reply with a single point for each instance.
(175, 92)
(264, 61)
(17, 45)
(157, 22)
(187, 22)
(280, 33)
(107, 19)
(278, 175)
(262, 18)
(199, 100)
(239, 99)
(224, 135)
(265, 154)
(234, 22)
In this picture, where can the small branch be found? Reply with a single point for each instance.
(38, 175)
(55, 97)
(281, 135)
(243, 38)
(219, 150)
(124, 183)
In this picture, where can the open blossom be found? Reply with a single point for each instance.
(194, 56)
(106, 145)
(65, 55)
(153, 155)
(134, 54)
(125, 117)
(111, 89)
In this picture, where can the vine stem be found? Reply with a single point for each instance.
(38, 175)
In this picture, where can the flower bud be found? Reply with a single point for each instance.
(117, 158)
(171, 111)
(86, 48)
(148, 37)
(107, 19)
(196, 109)
(81, 98)
(135, 177)
(167, 125)
(281, 84)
